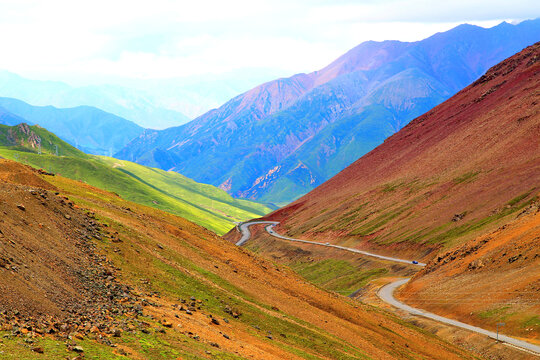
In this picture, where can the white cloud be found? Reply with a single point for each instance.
(426, 10)
(72, 39)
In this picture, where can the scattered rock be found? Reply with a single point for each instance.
(21, 207)
(476, 264)
(458, 217)
(94, 329)
(38, 349)
(166, 323)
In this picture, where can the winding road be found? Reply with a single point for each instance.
(386, 293)
(246, 234)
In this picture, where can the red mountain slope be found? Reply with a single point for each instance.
(491, 279)
(453, 173)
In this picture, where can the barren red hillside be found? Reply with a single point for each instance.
(453, 173)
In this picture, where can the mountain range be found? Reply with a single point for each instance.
(88, 128)
(150, 103)
(129, 103)
(285, 137)
(105, 258)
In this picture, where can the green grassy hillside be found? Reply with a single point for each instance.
(26, 138)
(203, 204)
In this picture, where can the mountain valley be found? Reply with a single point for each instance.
(441, 191)
(175, 290)
(386, 206)
(285, 137)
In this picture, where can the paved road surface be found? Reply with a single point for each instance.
(386, 293)
(244, 229)
(246, 234)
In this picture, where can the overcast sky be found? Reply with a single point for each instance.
(71, 40)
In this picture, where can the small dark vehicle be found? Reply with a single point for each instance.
(415, 262)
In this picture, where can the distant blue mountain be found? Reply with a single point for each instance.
(285, 137)
(89, 129)
(7, 118)
(129, 103)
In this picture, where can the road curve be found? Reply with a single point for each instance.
(386, 293)
(244, 230)
(246, 234)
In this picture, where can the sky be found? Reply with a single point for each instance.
(99, 41)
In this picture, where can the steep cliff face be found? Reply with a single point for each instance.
(28, 137)
(325, 120)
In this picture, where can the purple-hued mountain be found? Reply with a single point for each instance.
(285, 137)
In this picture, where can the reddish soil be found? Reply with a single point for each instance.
(49, 268)
(493, 278)
(15, 173)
